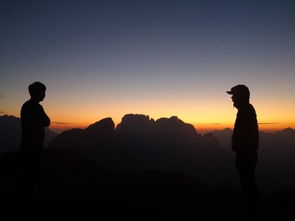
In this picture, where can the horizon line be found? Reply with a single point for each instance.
(203, 128)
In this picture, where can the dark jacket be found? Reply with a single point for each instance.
(33, 121)
(245, 135)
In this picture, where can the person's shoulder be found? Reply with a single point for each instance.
(26, 104)
(31, 105)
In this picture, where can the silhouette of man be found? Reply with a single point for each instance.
(245, 141)
(33, 122)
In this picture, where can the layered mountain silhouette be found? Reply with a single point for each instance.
(139, 143)
(10, 133)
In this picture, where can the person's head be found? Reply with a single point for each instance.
(37, 91)
(240, 95)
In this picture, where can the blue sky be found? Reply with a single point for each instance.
(154, 57)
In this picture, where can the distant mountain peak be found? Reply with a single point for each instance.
(175, 125)
(135, 123)
(288, 129)
(135, 118)
(106, 124)
(8, 117)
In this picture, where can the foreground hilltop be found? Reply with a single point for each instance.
(72, 185)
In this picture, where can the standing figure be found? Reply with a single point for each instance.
(33, 122)
(245, 142)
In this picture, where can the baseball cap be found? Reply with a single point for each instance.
(239, 89)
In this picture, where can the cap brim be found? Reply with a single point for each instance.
(229, 92)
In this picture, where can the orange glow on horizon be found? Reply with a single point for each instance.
(206, 114)
(200, 127)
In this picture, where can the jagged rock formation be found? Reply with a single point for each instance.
(140, 143)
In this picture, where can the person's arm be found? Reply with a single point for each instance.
(251, 134)
(44, 120)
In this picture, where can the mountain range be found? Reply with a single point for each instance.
(140, 143)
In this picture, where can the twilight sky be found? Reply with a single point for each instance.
(160, 58)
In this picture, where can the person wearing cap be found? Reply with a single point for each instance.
(245, 142)
(33, 123)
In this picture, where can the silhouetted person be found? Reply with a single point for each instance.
(245, 142)
(33, 122)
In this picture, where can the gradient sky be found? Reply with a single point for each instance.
(160, 58)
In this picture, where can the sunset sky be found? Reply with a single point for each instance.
(159, 58)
